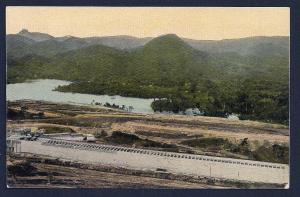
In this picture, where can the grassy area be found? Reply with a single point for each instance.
(119, 137)
(49, 130)
(215, 143)
(269, 153)
(275, 153)
(166, 135)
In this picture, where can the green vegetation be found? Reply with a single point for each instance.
(119, 137)
(23, 114)
(50, 129)
(172, 135)
(215, 143)
(100, 134)
(275, 153)
(20, 169)
(177, 75)
(269, 153)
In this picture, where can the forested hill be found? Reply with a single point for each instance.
(166, 67)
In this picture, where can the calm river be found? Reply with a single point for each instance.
(43, 90)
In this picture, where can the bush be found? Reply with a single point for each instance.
(49, 130)
(21, 169)
(213, 143)
(101, 134)
(275, 153)
(123, 138)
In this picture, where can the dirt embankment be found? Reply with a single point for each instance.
(218, 131)
(50, 173)
(32, 171)
(160, 131)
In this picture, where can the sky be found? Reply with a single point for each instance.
(202, 23)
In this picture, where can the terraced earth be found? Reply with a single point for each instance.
(208, 136)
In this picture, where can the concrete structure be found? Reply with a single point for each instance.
(13, 145)
(141, 159)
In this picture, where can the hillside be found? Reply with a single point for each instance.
(168, 59)
(168, 68)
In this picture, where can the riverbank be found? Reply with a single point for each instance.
(44, 90)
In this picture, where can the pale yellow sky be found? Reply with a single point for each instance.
(193, 22)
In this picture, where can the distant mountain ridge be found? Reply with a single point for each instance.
(242, 46)
(36, 36)
(248, 76)
(25, 43)
(159, 61)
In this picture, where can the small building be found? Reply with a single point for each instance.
(13, 146)
(193, 112)
(233, 117)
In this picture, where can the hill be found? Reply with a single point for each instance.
(169, 69)
(36, 36)
(168, 59)
(119, 42)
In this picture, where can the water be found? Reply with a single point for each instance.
(43, 90)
